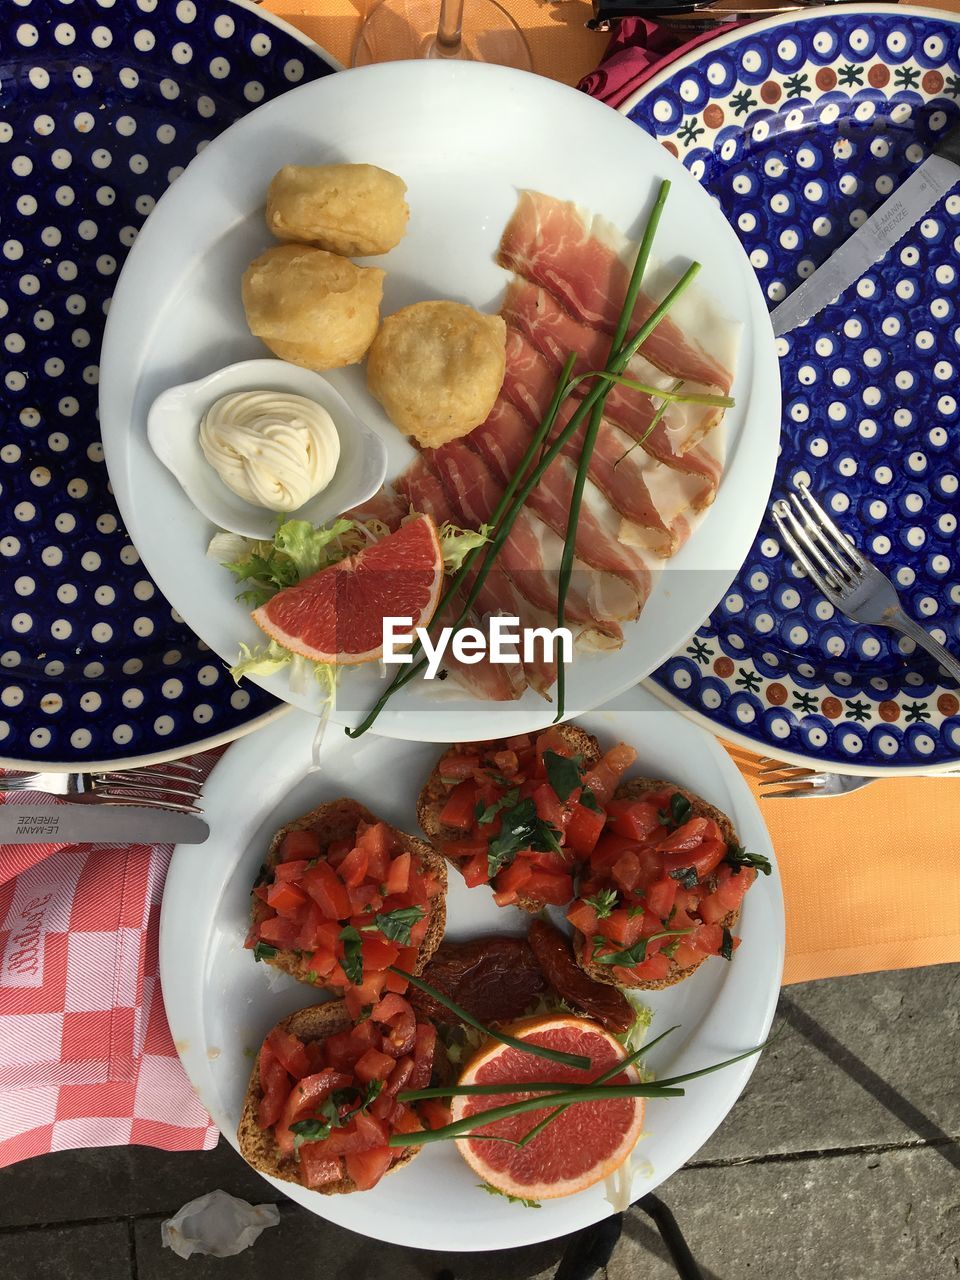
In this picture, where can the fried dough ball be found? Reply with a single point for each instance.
(311, 307)
(437, 368)
(352, 209)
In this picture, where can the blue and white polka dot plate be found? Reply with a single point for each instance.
(800, 127)
(102, 104)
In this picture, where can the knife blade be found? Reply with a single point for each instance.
(33, 823)
(881, 231)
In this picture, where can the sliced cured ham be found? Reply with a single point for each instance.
(553, 330)
(532, 552)
(501, 442)
(618, 468)
(530, 384)
(587, 266)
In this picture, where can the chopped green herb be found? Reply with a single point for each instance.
(263, 951)
(334, 1112)
(506, 801)
(520, 828)
(263, 875)
(589, 800)
(671, 948)
(603, 902)
(687, 876)
(678, 813)
(636, 954)
(738, 857)
(396, 925)
(495, 1191)
(352, 954)
(726, 947)
(563, 773)
(311, 975)
(365, 1012)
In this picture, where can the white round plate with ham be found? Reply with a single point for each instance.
(498, 164)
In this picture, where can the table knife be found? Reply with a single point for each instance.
(33, 823)
(891, 222)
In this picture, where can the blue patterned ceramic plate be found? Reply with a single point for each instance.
(102, 105)
(800, 127)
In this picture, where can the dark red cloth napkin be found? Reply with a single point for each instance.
(638, 50)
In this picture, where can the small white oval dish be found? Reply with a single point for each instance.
(173, 429)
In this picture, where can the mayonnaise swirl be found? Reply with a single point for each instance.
(272, 449)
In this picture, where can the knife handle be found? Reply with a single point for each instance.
(949, 145)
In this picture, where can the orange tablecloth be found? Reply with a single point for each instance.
(871, 880)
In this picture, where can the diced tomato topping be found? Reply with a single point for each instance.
(661, 896)
(458, 767)
(275, 1086)
(378, 952)
(708, 938)
(652, 970)
(328, 891)
(626, 871)
(544, 886)
(285, 898)
(435, 1114)
(280, 932)
(460, 808)
(285, 871)
(289, 1050)
(366, 1168)
(317, 1169)
(305, 1097)
(376, 841)
(475, 869)
(425, 1041)
(583, 917)
(702, 858)
(398, 876)
(635, 819)
(353, 868)
(396, 1016)
(299, 845)
(604, 777)
(552, 740)
(367, 994)
(373, 1065)
(337, 851)
(583, 829)
(399, 1077)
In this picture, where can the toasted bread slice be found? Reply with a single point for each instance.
(337, 820)
(434, 795)
(634, 789)
(257, 1146)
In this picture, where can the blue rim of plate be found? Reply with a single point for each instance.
(798, 126)
(102, 105)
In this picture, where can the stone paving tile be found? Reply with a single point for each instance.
(859, 1217)
(100, 1251)
(877, 1051)
(114, 1182)
(319, 1250)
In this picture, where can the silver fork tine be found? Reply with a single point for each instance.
(768, 767)
(148, 775)
(190, 786)
(827, 523)
(141, 788)
(796, 794)
(808, 560)
(819, 536)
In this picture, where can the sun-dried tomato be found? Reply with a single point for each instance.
(555, 956)
(494, 979)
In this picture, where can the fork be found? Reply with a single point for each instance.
(150, 787)
(801, 782)
(848, 580)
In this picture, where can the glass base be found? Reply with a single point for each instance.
(400, 29)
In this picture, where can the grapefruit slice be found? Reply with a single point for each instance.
(585, 1143)
(336, 615)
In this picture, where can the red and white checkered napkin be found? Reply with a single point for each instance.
(86, 1056)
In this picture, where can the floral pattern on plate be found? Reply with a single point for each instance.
(800, 128)
(102, 105)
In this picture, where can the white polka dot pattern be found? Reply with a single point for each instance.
(113, 102)
(800, 131)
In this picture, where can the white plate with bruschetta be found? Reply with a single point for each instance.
(489, 157)
(221, 1003)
